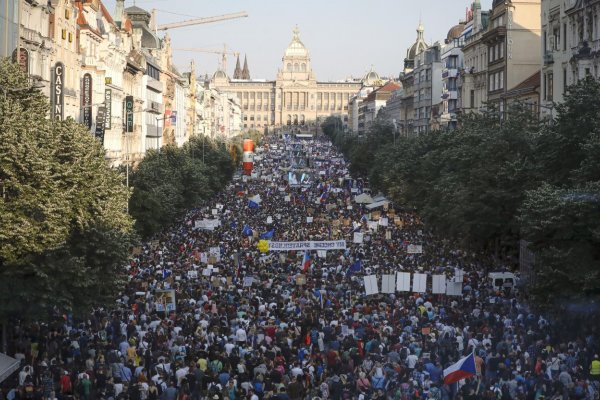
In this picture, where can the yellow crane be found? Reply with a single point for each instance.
(223, 53)
(204, 20)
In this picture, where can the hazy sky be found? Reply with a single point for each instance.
(344, 37)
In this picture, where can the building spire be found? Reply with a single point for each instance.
(245, 71)
(237, 74)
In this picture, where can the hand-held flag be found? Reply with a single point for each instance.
(464, 368)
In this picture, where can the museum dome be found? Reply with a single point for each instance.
(296, 47)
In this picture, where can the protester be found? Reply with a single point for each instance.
(246, 324)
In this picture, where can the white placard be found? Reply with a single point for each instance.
(388, 284)
(219, 206)
(206, 272)
(459, 275)
(454, 289)
(309, 220)
(371, 285)
(287, 198)
(192, 274)
(373, 226)
(248, 280)
(358, 237)
(414, 249)
(215, 251)
(419, 283)
(204, 258)
(269, 220)
(403, 281)
(322, 253)
(215, 211)
(383, 221)
(438, 285)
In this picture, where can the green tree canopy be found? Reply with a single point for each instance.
(64, 229)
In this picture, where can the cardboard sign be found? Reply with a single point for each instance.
(403, 281)
(300, 280)
(309, 220)
(248, 280)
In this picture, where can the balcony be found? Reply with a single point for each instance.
(548, 58)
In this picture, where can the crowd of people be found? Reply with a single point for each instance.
(301, 328)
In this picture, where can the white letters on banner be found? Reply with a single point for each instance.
(388, 284)
(308, 245)
(358, 237)
(371, 285)
(403, 281)
(438, 285)
(419, 283)
(414, 249)
(454, 289)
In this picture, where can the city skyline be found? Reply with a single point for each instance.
(381, 41)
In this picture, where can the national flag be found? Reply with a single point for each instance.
(268, 235)
(252, 204)
(306, 261)
(247, 231)
(463, 369)
(323, 197)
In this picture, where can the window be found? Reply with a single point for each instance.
(564, 80)
(501, 80)
(303, 67)
(501, 50)
(296, 67)
(472, 99)
(565, 37)
(492, 83)
(289, 67)
(549, 86)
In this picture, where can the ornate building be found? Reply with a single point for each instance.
(295, 97)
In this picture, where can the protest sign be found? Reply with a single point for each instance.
(414, 249)
(164, 300)
(358, 237)
(370, 283)
(388, 284)
(419, 283)
(438, 285)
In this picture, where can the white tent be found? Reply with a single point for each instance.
(8, 365)
(363, 199)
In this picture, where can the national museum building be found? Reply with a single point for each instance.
(295, 97)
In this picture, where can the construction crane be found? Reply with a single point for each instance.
(223, 53)
(199, 21)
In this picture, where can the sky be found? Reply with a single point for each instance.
(344, 37)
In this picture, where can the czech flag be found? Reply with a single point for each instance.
(463, 369)
(306, 261)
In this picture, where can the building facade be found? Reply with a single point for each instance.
(294, 98)
(427, 89)
(9, 27)
(452, 64)
(570, 47)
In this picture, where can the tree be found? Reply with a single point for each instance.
(64, 229)
(169, 182)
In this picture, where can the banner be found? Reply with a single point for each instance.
(438, 285)
(388, 284)
(86, 100)
(414, 249)
(371, 285)
(108, 105)
(57, 92)
(207, 224)
(419, 283)
(100, 118)
(308, 245)
(403, 282)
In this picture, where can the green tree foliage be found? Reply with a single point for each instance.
(497, 180)
(561, 217)
(64, 229)
(169, 182)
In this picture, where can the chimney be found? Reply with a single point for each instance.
(119, 11)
